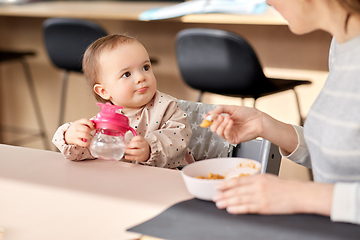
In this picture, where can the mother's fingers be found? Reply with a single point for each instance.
(243, 208)
(216, 122)
(228, 131)
(220, 124)
(218, 110)
(221, 128)
(235, 182)
(238, 195)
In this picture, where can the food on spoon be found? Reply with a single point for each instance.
(207, 122)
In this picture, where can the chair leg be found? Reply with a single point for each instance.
(1, 131)
(301, 122)
(36, 104)
(200, 96)
(63, 97)
(311, 176)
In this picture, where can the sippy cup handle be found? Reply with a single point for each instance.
(133, 131)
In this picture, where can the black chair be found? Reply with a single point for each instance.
(20, 56)
(222, 62)
(66, 40)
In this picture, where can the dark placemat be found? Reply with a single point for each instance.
(197, 219)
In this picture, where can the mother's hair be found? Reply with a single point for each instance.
(353, 6)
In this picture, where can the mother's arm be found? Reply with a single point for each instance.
(238, 124)
(265, 193)
(268, 194)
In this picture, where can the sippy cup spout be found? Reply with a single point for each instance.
(108, 109)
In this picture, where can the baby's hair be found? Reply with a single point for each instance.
(90, 64)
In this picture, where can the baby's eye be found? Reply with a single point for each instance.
(146, 67)
(127, 74)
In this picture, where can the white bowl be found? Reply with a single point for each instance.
(204, 188)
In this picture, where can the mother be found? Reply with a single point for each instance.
(329, 143)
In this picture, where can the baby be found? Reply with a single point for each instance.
(118, 69)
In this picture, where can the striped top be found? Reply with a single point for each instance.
(329, 143)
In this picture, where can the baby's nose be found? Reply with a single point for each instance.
(140, 78)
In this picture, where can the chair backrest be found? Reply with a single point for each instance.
(219, 61)
(66, 40)
(205, 144)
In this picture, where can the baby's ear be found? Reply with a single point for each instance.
(101, 91)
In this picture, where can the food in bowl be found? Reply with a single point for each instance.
(233, 172)
(228, 167)
(218, 176)
(211, 176)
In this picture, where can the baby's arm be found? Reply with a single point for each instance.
(69, 139)
(79, 132)
(169, 143)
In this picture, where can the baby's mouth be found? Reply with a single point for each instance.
(141, 90)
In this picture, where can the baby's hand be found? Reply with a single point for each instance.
(137, 150)
(79, 132)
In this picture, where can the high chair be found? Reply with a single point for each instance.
(205, 144)
(29, 134)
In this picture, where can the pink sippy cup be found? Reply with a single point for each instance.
(108, 142)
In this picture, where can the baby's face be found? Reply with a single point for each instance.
(126, 75)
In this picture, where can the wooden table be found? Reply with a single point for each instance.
(44, 196)
(117, 10)
(260, 29)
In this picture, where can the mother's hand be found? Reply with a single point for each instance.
(268, 194)
(239, 124)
